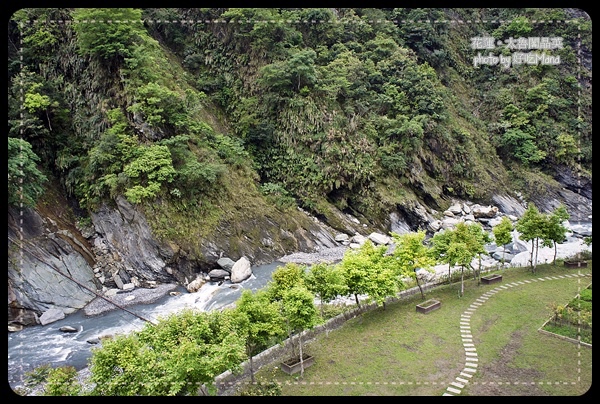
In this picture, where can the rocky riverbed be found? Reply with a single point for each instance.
(128, 298)
(329, 255)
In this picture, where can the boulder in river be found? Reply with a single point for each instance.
(241, 270)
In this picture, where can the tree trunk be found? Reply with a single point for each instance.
(531, 257)
(554, 259)
(301, 357)
(537, 247)
(251, 365)
(356, 298)
(462, 284)
(419, 285)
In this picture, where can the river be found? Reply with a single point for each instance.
(37, 345)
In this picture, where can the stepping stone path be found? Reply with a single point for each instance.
(471, 359)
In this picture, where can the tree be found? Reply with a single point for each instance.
(502, 234)
(531, 227)
(440, 243)
(555, 231)
(411, 254)
(480, 238)
(357, 266)
(148, 171)
(174, 357)
(259, 321)
(459, 246)
(108, 33)
(297, 305)
(25, 180)
(382, 281)
(300, 313)
(62, 381)
(326, 281)
(284, 278)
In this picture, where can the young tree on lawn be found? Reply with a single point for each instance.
(555, 231)
(326, 281)
(357, 265)
(503, 234)
(531, 227)
(480, 238)
(459, 246)
(300, 313)
(440, 243)
(259, 320)
(382, 281)
(284, 278)
(410, 255)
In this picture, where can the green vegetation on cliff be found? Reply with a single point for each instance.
(184, 111)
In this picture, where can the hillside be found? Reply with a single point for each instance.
(149, 143)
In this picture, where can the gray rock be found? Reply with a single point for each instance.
(118, 281)
(241, 270)
(379, 238)
(484, 212)
(68, 328)
(51, 315)
(39, 268)
(218, 274)
(456, 209)
(341, 237)
(498, 256)
(196, 284)
(358, 239)
(226, 263)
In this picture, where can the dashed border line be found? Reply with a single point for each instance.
(289, 21)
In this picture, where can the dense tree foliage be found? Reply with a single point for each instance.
(326, 106)
(25, 180)
(503, 233)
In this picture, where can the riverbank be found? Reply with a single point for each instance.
(328, 255)
(128, 298)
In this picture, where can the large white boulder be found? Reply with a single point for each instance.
(241, 270)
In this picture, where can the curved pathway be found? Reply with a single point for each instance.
(471, 361)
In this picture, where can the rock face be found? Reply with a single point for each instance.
(41, 264)
(125, 231)
(118, 252)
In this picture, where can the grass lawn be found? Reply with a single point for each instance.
(398, 351)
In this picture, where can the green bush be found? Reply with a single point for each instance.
(62, 381)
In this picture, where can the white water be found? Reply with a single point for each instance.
(38, 345)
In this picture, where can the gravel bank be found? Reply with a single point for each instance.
(329, 255)
(129, 298)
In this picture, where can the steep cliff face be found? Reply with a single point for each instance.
(49, 266)
(53, 264)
